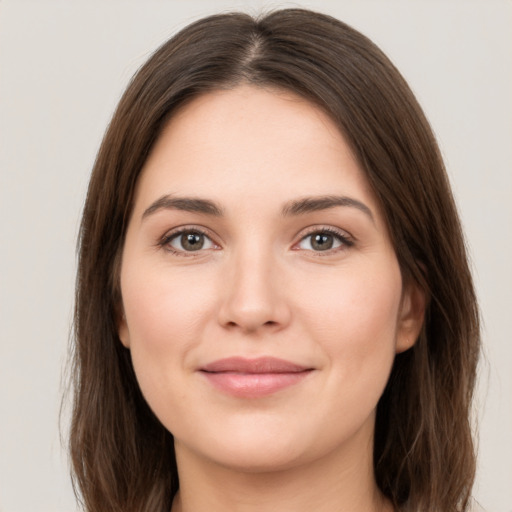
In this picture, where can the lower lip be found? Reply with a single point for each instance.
(254, 385)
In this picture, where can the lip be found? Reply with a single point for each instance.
(253, 378)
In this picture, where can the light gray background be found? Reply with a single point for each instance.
(63, 66)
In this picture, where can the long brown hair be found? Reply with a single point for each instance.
(123, 458)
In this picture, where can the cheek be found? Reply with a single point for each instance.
(354, 320)
(166, 316)
(359, 340)
(355, 304)
(163, 308)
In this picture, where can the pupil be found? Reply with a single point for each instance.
(192, 241)
(322, 242)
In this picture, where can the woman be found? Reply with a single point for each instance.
(274, 309)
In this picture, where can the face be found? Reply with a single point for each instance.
(263, 302)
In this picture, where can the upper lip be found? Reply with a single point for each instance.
(257, 365)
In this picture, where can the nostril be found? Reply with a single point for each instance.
(269, 323)
(248, 309)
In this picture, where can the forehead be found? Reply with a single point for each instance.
(251, 142)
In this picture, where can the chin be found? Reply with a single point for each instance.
(267, 445)
(247, 445)
(257, 457)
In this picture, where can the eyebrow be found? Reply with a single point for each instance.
(313, 204)
(291, 208)
(187, 204)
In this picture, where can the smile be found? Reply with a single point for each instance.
(253, 378)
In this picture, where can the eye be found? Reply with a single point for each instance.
(189, 240)
(324, 240)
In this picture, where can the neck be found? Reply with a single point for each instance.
(337, 482)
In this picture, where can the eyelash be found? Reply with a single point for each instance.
(343, 237)
(166, 240)
(345, 240)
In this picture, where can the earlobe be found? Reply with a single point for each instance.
(122, 330)
(411, 316)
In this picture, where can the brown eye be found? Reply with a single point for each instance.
(189, 241)
(192, 241)
(324, 240)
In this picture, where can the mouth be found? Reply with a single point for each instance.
(253, 378)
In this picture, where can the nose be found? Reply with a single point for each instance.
(254, 295)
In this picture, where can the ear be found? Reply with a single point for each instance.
(122, 328)
(411, 316)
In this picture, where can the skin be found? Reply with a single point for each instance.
(259, 287)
